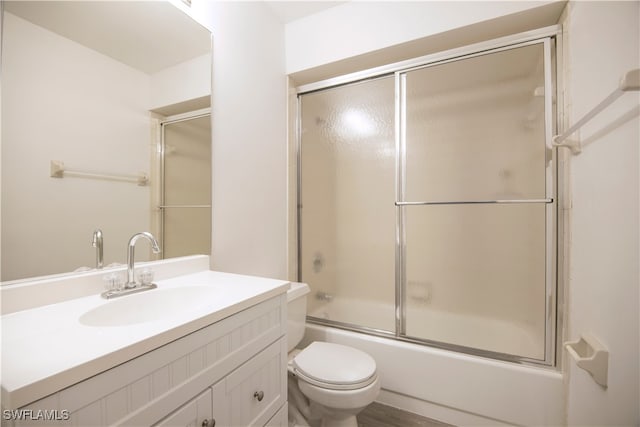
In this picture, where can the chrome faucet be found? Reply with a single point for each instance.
(97, 243)
(131, 281)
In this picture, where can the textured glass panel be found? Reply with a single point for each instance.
(347, 217)
(475, 128)
(475, 276)
(187, 162)
(187, 232)
(187, 182)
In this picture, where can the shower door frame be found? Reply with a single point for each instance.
(160, 205)
(550, 38)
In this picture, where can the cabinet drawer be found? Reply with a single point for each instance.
(194, 413)
(280, 419)
(257, 390)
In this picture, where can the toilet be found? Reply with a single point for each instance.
(329, 384)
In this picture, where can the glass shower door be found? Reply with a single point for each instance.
(346, 212)
(475, 202)
(186, 187)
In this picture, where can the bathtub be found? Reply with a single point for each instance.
(484, 333)
(452, 387)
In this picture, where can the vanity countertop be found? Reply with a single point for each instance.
(48, 348)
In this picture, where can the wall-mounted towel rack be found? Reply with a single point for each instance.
(590, 355)
(629, 82)
(58, 170)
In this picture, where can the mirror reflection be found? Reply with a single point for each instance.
(89, 92)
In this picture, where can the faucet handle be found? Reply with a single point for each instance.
(113, 282)
(145, 277)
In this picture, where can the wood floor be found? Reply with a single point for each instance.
(379, 415)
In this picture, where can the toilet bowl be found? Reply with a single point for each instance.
(331, 383)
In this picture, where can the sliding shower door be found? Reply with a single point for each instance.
(427, 204)
(186, 186)
(347, 217)
(475, 202)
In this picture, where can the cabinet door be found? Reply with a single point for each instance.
(280, 419)
(257, 390)
(195, 413)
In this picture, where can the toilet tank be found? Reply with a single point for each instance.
(296, 313)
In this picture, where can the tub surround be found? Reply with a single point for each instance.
(452, 387)
(75, 351)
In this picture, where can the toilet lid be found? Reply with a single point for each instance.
(335, 366)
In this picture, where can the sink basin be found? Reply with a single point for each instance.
(149, 306)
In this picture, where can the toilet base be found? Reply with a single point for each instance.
(340, 419)
(347, 422)
(335, 417)
(305, 411)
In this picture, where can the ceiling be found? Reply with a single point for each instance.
(147, 35)
(288, 11)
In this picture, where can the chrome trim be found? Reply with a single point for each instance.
(550, 309)
(474, 202)
(161, 185)
(400, 132)
(115, 293)
(131, 251)
(435, 344)
(563, 203)
(98, 242)
(183, 206)
(475, 48)
(550, 222)
(351, 326)
(190, 115)
(298, 132)
(552, 335)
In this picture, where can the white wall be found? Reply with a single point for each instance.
(249, 98)
(602, 43)
(63, 101)
(366, 29)
(102, 127)
(249, 113)
(249, 108)
(184, 81)
(361, 27)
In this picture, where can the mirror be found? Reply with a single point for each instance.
(87, 87)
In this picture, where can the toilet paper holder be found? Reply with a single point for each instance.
(591, 356)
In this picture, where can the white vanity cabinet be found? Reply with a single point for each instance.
(197, 412)
(249, 396)
(232, 372)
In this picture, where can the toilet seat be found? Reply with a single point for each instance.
(334, 366)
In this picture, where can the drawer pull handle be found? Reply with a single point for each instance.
(259, 395)
(206, 423)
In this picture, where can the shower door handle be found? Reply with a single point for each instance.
(475, 202)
